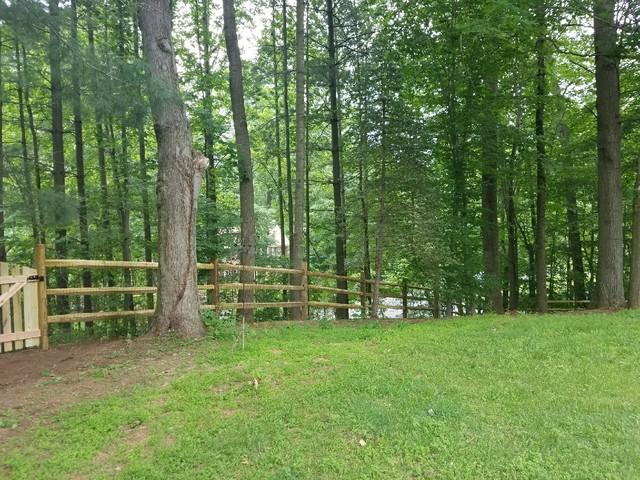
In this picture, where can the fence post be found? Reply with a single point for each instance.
(405, 304)
(363, 294)
(216, 287)
(304, 280)
(43, 317)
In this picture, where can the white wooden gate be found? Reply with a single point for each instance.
(18, 308)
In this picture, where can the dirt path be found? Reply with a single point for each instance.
(34, 383)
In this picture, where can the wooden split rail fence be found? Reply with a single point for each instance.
(218, 283)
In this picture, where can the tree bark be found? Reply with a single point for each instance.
(490, 234)
(243, 147)
(380, 226)
(634, 285)
(3, 247)
(35, 147)
(79, 144)
(180, 172)
(541, 158)
(299, 208)
(57, 143)
(338, 199)
(26, 167)
(287, 123)
(610, 210)
(276, 108)
(575, 244)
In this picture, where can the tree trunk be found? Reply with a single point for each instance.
(144, 181)
(490, 234)
(3, 247)
(79, 144)
(57, 143)
(380, 227)
(35, 147)
(541, 158)
(299, 208)
(243, 146)
(276, 107)
(634, 285)
(575, 244)
(512, 237)
(180, 171)
(287, 123)
(26, 167)
(338, 200)
(610, 210)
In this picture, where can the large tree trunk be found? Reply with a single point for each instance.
(57, 142)
(490, 234)
(243, 147)
(634, 285)
(299, 209)
(338, 199)
(610, 239)
(541, 158)
(180, 172)
(610, 236)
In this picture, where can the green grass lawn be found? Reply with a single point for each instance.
(553, 397)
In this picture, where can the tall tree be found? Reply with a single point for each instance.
(541, 158)
(490, 154)
(336, 165)
(634, 284)
(299, 209)
(3, 247)
(180, 171)
(610, 211)
(57, 138)
(243, 149)
(79, 144)
(287, 122)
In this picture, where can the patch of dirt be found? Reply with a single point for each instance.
(35, 383)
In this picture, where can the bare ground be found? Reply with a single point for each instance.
(34, 383)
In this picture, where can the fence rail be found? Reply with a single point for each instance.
(307, 295)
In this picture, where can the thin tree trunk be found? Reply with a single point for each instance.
(610, 210)
(512, 235)
(180, 171)
(287, 123)
(380, 227)
(299, 207)
(35, 147)
(142, 159)
(634, 285)
(338, 199)
(541, 158)
(575, 243)
(26, 167)
(3, 247)
(79, 144)
(276, 108)
(57, 142)
(243, 147)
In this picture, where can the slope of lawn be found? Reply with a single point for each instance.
(553, 397)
